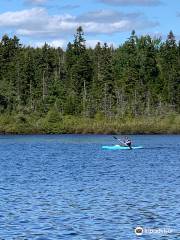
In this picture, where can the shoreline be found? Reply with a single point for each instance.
(110, 134)
(36, 125)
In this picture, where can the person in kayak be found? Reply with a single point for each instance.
(127, 142)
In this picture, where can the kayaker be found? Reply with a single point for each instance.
(127, 141)
(124, 142)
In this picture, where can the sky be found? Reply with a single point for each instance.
(55, 22)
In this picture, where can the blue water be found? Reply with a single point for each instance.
(67, 187)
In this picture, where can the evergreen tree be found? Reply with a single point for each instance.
(79, 68)
(142, 76)
(126, 68)
(169, 70)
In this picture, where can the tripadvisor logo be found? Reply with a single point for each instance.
(139, 231)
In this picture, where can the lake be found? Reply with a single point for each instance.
(67, 187)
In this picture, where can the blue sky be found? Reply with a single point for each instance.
(111, 21)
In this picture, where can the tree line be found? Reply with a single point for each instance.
(140, 77)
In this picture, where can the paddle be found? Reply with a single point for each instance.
(115, 137)
(119, 140)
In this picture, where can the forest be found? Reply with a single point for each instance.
(133, 88)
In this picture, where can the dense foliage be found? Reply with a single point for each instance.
(139, 78)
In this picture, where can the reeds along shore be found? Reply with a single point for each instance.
(56, 124)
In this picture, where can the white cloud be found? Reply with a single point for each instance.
(54, 43)
(37, 2)
(92, 43)
(132, 2)
(104, 28)
(105, 15)
(37, 22)
(25, 18)
(111, 21)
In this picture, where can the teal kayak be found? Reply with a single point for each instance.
(118, 147)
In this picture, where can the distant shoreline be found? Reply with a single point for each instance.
(46, 134)
(31, 124)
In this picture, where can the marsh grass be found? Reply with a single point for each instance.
(55, 123)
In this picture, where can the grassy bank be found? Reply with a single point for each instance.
(55, 123)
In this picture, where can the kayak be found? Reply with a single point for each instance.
(118, 147)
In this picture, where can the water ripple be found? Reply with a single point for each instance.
(66, 187)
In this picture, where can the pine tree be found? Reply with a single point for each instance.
(126, 68)
(148, 72)
(79, 68)
(169, 70)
